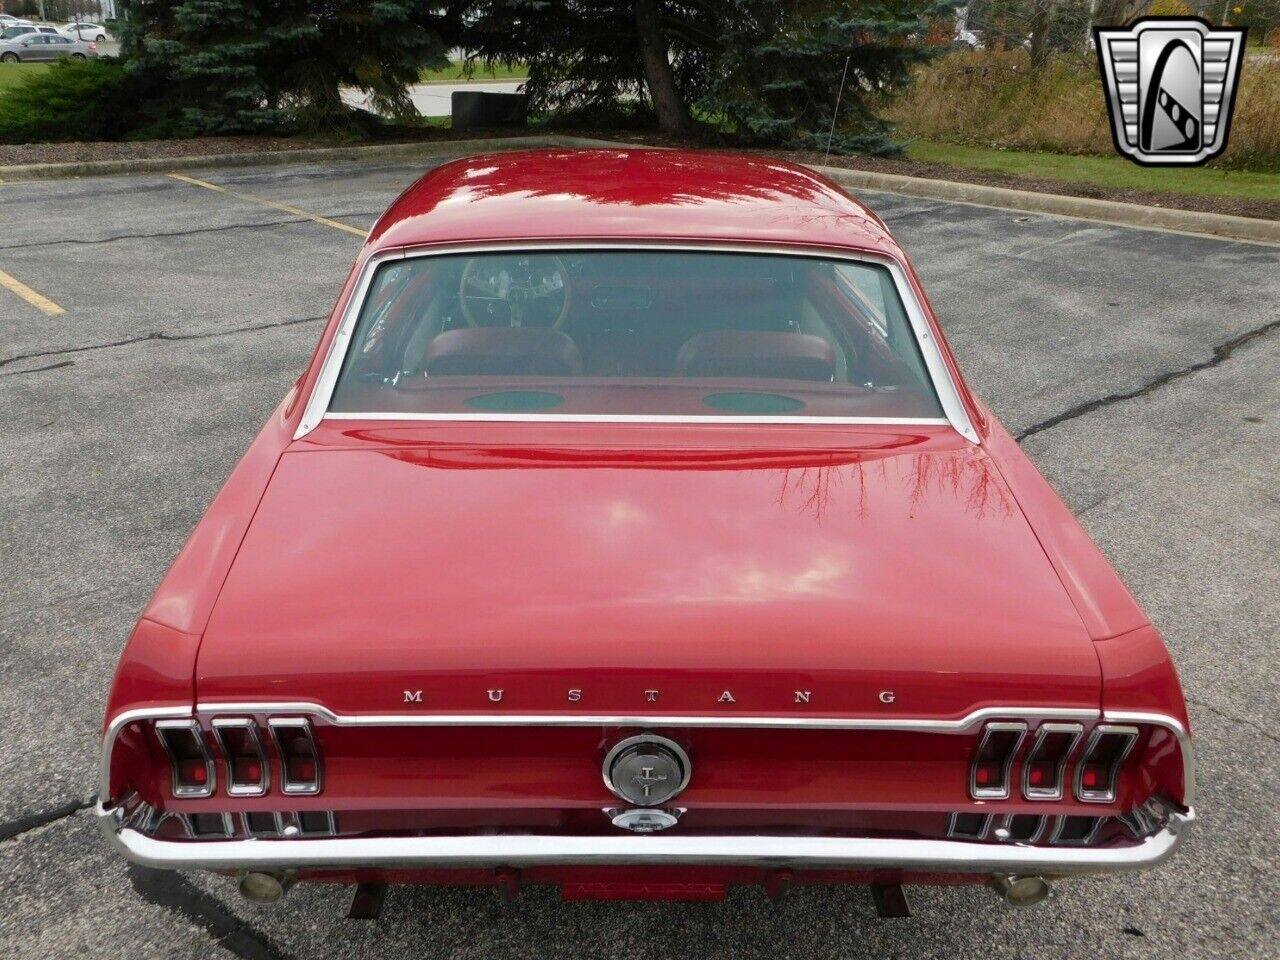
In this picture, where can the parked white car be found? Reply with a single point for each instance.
(7, 21)
(85, 31)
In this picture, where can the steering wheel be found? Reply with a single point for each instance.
(520, 290)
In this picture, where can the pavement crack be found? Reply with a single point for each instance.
(1221, 352)
(196, 231)
(51, 366)
(157, 335)
(175, 893)
(1243, 721)
(167, 235)
(32, 821)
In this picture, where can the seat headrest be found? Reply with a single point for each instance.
(757, 354)
(502, 351)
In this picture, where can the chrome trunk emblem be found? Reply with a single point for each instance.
(646, 770)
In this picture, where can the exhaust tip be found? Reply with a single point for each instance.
(265, 887)
(1021, 891)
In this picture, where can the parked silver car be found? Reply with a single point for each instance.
(45, 46)
(20, 29)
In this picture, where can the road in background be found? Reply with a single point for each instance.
(434, 99)
(1139, 367)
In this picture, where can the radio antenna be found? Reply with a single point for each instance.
(836, 112)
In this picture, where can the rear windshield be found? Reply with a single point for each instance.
(635, 334)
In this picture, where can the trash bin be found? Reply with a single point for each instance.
(472, 109)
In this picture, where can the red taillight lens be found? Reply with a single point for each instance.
(989, 775)
(189, 758)
(1104, 757)
(1044, 771)
(247, 770)
(299, 757)
(93, 46)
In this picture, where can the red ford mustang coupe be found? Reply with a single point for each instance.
(632, 530)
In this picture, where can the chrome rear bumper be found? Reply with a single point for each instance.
(542, 850)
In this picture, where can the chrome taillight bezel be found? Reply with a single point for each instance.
(177, 787)
(1001, 790)
(1107, 793)
(234, 788)
(1058, 788)
(288, 784)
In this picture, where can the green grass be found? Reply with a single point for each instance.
(12, 74)
(456, 71)
(1102, 171)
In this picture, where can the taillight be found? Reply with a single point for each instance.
(299, 758)
(1099, 768)
(989, 775)
(93, 46)
(248, 772)
(189, 759)
(1044, 770)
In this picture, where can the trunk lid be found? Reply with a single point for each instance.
(388, 573)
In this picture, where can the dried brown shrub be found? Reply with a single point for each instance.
(992, 99)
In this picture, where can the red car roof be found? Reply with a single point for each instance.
(628, 194)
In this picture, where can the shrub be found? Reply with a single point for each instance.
(991, 99)
(73, 100)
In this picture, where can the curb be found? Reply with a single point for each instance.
(271, 158)
(1083, 208)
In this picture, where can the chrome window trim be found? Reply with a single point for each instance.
(634, 418)
(1059, 779)
(243, 723)
(1006, 780)
(1108, 794)
(944, 385)
(275, 725)
(678, 848)
(177, 789)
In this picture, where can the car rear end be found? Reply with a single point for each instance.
(644, 642)
(1011, 797)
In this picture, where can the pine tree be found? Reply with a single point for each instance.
(784, 64)
(771, 68)
(233, 66)
(602, 60)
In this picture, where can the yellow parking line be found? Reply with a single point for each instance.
(274, 205)
(29, 295)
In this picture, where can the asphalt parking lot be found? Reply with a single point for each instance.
(1141, 369)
